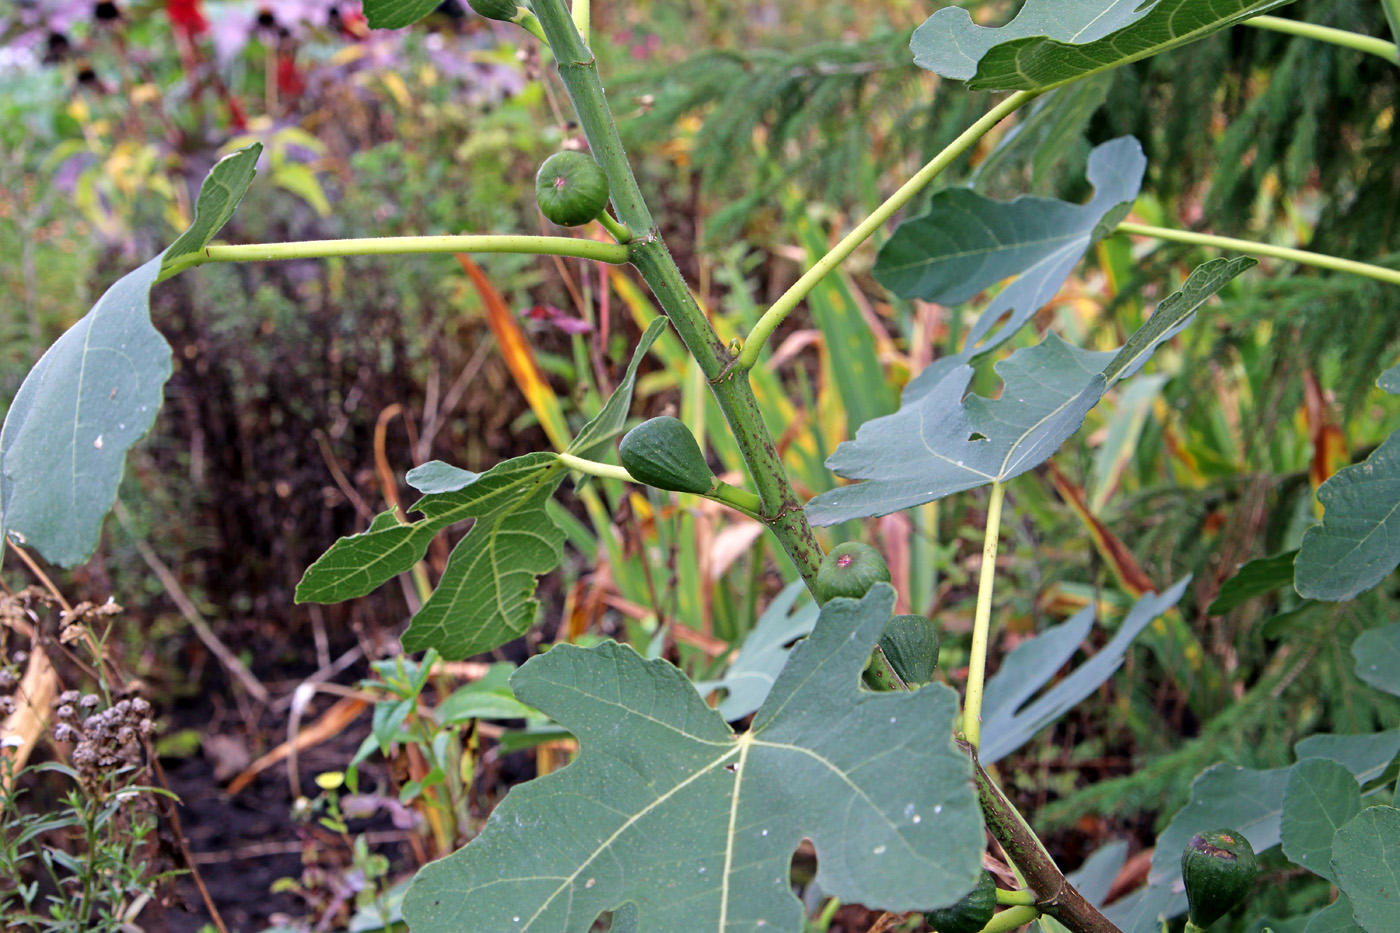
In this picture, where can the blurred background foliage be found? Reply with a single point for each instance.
(761, 131)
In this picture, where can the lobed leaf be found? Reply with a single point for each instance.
(667, 809)
(486, 595)
(967, 242)
(747, 681)
(1052, 42)
(939, 443)
(96, 392)
(1008, 721)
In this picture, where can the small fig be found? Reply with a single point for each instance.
(1218, 868)
(910, 644)
(971, 913)
(571, 189)
(504, 10)
(849, 570)
(662, 453)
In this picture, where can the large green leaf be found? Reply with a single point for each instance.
(1366, 860)
(96, 392)
(940, 443)
(747, 681)
(1357, 544)
(1051, 42)
(967, 242)
(1009, 721)
(667, 808)
(486, 595)
(1377, 654)
(1320, 798)
(395, 14)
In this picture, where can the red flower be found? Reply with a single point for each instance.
(187, 18)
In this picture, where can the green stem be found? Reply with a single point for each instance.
(1054, 894)
(1011, 919)
(594, 468)
(404, 245)
(1321, 261)
(1192, 928)
(828, 913)
(1342, 37)
(1015, 898)
(823, 267)
(982, 621)
(781, 509)
(741, 499)
(619, 232)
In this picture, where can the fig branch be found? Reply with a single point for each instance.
(781, 510)
(824, 266)
(1251, 248)
(404, 245)
(1055, 896)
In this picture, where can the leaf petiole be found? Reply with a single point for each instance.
(1303, 257)
(399, 246)
(1011, 919)
(1340, 37)
(739, 499)
(1020, 898)
(982, 621)
(824, 266)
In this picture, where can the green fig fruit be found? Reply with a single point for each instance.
(910, 644)
(571, 189)
(1218, 868)
(662, 453)
(970, 914)
(849, 570)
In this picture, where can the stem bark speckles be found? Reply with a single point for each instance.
(1055, 895)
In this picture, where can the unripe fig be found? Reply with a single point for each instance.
(504, 10)
(849, 570)
(971, 913)
(910, 644)
(571, 189)
(662, 453)
(1218, 868)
